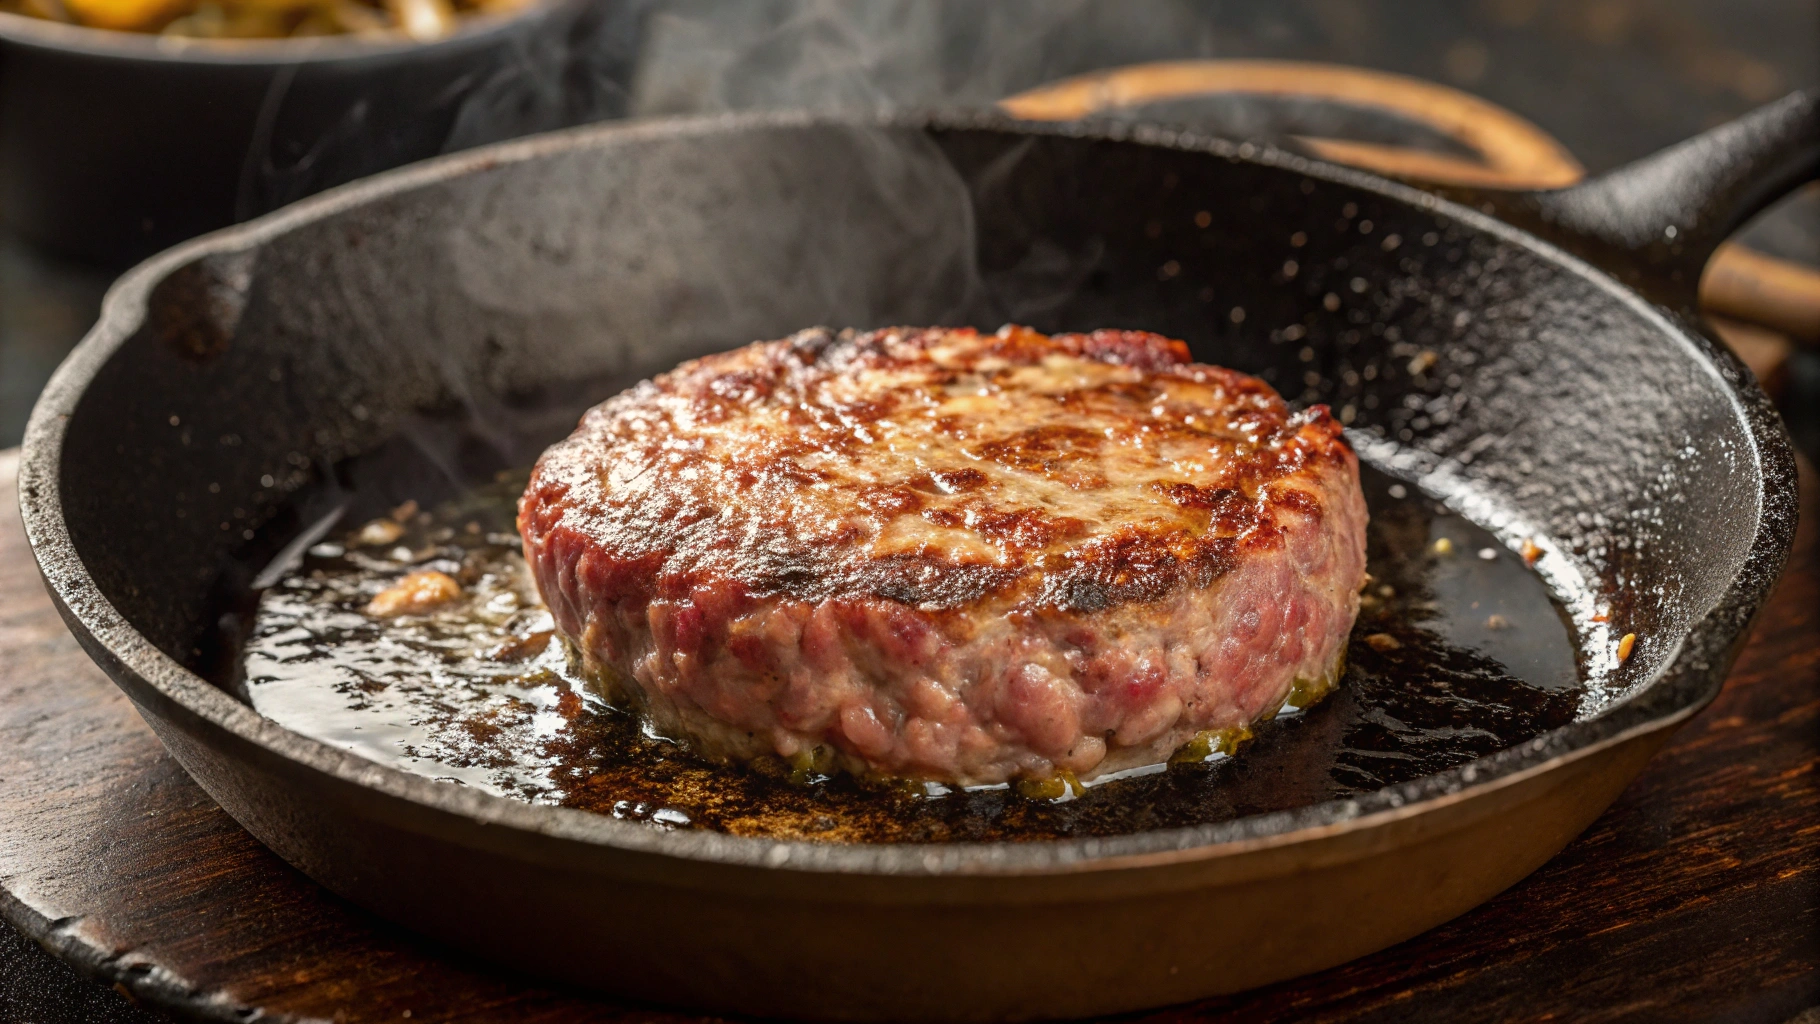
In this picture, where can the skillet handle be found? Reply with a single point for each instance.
(1654, 223)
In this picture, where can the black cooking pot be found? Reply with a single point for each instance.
(504, 290)
(114, 145)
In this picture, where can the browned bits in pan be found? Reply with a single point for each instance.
(413, 595)
(524, 647)
(1625, 646)
(1531, 551)
(379, 533)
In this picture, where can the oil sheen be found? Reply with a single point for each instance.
(1459, 652)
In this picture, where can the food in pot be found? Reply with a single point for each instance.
(957, 557)
(422, 20)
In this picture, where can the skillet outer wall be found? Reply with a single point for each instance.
(322, 810)
(738, 941)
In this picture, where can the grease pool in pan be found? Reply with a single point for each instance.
(1478, 658)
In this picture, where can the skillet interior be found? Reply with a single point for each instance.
(520, 284)
(523, 293)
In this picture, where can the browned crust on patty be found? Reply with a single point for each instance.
(941, 468)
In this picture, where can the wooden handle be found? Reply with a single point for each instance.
(1509, 146)
(1746, 285)
(1510, 153)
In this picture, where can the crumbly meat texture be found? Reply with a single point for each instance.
(953, 556)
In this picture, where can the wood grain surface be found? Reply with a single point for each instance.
(1695, 898)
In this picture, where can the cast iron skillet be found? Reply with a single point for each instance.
(1562, 403)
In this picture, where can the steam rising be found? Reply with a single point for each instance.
(853, 228)
(867, 55)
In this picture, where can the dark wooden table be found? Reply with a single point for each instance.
(1695, 898)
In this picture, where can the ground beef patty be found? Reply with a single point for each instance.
(945, 555)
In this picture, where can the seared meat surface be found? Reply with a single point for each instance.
(945, 555)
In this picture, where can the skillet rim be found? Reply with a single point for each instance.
(1681, 687)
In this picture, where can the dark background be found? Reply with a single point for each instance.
(1613, 79)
